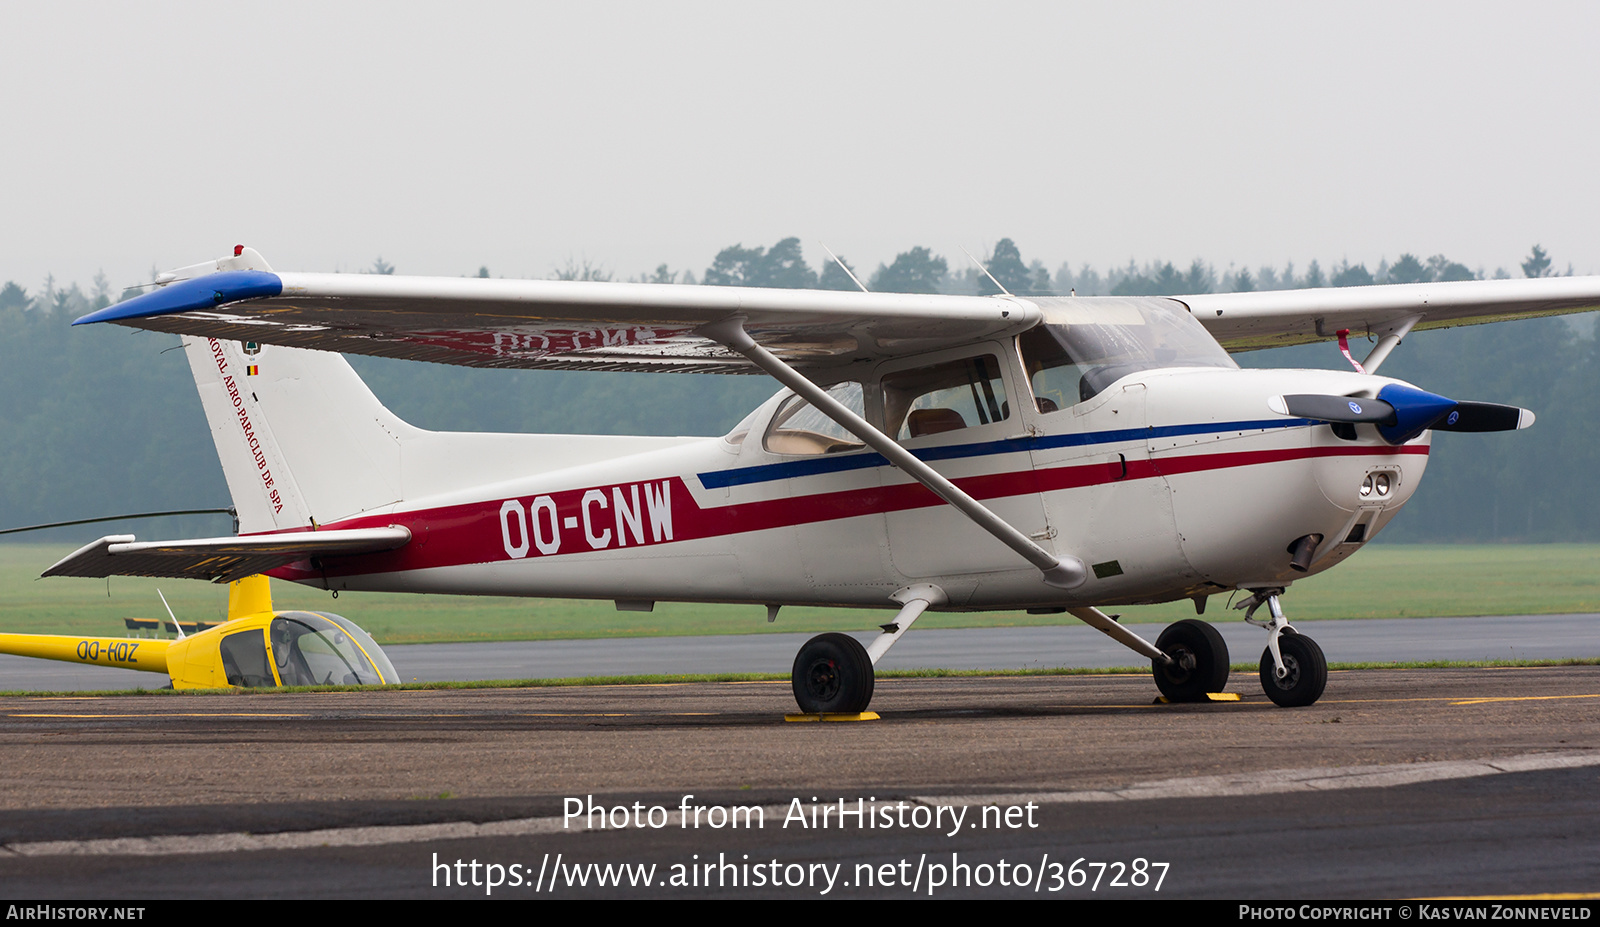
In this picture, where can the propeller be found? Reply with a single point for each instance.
(1403, 412)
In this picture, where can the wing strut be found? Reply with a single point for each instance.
(1063, 573)
(1389, 340)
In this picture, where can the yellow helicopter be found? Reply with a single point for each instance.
(255, 648)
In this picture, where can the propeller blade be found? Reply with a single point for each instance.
(1335, 408)
(1403, 412)
(1485, 416)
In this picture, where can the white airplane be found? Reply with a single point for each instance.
(959, 453)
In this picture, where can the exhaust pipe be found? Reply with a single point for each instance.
(1301, 551)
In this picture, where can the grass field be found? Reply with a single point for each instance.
(1379, 582)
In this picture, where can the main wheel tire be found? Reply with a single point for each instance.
(832, 675)
(1185, 641)
(1308, 671)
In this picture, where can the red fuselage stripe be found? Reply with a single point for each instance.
(650, 512)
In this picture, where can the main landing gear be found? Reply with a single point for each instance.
(1198, 664)
(833, 672)
(832, 675)
(1293, 670)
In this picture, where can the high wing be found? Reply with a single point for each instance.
(552, 324)
(220, 559)
(1274, 318)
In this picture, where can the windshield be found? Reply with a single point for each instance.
(1086, 344)
(311, 649)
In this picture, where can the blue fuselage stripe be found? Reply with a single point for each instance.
(814, 466)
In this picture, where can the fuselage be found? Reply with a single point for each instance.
(1166, 483)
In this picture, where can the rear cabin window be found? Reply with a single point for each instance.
(800, 429)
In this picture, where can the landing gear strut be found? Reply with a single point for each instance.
(1294, 672)
(1305, 671)
(1198, 662)
(833, 672)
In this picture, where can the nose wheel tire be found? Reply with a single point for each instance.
(1199, 661)
(1307, 676)
(832, 675)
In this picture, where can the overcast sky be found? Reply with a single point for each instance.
(448, 136)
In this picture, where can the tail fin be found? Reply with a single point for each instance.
(302, 439)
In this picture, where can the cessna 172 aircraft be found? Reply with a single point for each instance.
(1058, 454)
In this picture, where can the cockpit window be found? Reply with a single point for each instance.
(310, 650)
(369, 648)
(799, 428)
(1087, 344)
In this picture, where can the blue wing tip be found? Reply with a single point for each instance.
(206, 292)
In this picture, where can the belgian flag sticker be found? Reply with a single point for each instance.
(252, 370)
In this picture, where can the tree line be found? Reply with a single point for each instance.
(919, 270)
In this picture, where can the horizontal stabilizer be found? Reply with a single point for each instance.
(220, 559)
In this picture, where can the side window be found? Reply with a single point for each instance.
(244, 660)
(799, 429)
(944, 397)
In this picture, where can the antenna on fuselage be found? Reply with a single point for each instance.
(986, 273)
(842, 266)
(175, 622)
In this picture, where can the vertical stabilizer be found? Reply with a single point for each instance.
(302, 440)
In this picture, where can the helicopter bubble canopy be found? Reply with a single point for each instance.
(322, 649)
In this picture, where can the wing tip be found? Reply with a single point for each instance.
(206, 292)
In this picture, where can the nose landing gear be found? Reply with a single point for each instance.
(1305, 671)
(1294, 671)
